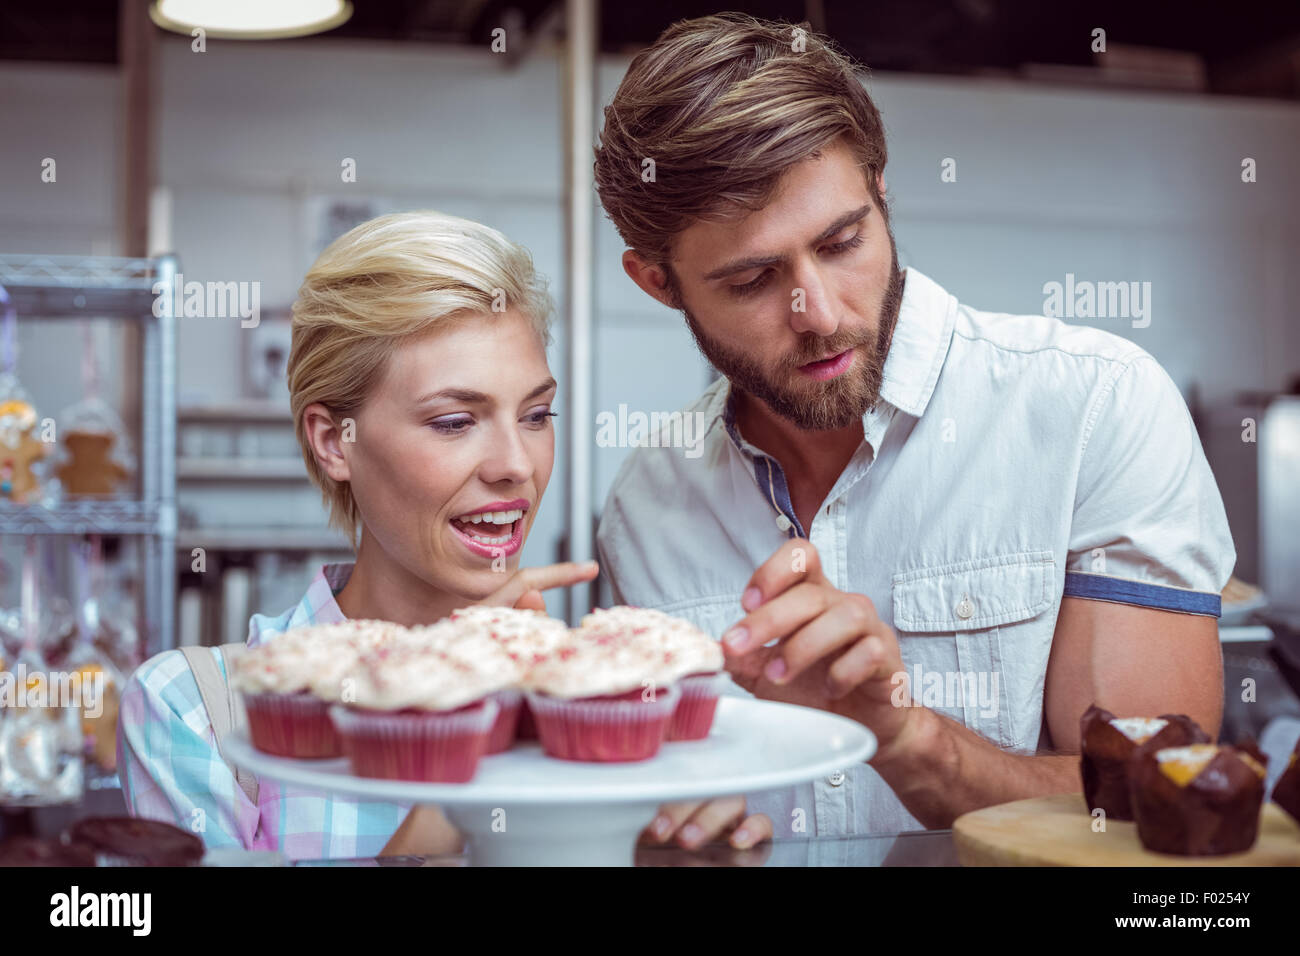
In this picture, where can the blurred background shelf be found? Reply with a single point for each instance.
(44, 288)
(115, 516)
(240, 469)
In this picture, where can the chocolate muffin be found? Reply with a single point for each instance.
(133, 841)
(31, 851)
(1286, 792)
(1197, 800)
(1108, 744)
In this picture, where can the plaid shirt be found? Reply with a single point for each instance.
(170, 769)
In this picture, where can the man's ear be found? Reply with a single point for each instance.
(326, 441)
(651, 278)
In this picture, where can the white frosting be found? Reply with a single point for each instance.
(1192, 754)
(624, 648)
(477, 651)
(529, 637)
(438, 667)
(1139, 729)
(692, 651)
(313, 658)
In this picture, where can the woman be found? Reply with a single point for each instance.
(420, 394)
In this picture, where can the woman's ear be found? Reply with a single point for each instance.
(326, 440)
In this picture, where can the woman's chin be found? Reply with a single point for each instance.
(481, 584)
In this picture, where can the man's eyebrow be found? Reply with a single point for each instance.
(472, 396)
(742, 265)
(759, 262)
(845, 220)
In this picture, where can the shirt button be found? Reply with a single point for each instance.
(835, 779)
(965, 608)
(783, 523)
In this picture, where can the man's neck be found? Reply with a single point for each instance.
(378, 588)
(811, 460)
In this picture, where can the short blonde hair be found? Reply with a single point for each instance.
(382, 282)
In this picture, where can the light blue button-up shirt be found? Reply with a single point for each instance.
(1012, 461)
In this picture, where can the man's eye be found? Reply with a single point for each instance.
(851, 243)
(451, 426)
(749, 288)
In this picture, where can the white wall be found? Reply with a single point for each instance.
(1109, 186)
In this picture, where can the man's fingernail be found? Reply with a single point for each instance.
(775, 669)
(691, 833)
(740, 837)
(660, 827)
(589, 565)
(735, 638)
(751, 598)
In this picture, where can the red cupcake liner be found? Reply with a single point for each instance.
(693, 717)
(504, 729)
(431, 746)
(526, 729)
(617, 727)
(292, 725)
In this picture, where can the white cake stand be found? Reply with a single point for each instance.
(524, 808)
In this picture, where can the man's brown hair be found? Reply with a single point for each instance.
(723, 106)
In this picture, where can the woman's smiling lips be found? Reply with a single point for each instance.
(829, 368)
(477, 528)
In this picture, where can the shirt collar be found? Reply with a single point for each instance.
(919, 347)
(318, 605)
(926, 318)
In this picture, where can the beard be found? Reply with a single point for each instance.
(809, 404)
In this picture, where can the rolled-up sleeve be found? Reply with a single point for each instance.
(168, 762)
(1149, 526)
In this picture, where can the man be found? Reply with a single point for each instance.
(957, 527)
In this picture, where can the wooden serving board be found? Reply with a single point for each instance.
(1057, 831)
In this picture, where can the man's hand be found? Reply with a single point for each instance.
(834, 652)
(524, 588)
(696, 823)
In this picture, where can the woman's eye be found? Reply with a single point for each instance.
(451, 426)
(539, 417)
(749, 288)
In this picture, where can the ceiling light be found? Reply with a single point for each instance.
(250, 19)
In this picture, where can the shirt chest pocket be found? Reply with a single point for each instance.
(958, 624)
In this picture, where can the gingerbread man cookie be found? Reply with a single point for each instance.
(19, 449)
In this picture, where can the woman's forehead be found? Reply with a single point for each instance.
(499, 354)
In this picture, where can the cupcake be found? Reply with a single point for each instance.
(1108, 744)
(289, 682)
(424, 705)
(1286, 792)
(691, 657)
(1197, 800)
(528, 638)
(134, 841)
(604, 696)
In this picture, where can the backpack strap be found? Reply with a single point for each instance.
(219, 698)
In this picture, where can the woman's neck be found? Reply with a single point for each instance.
(379, 588)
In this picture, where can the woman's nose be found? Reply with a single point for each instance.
(506, 459)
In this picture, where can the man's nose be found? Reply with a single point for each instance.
(810, 306)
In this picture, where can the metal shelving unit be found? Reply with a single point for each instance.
(47, 288)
